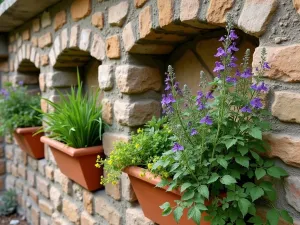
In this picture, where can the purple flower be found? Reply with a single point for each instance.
(232, 65)
(256, 103)
(194, 132)
(260, 87)
(199, 95)
(222, 38)
(232, 48)
(220, 53)
(246, 109)
(168, 87)
(247, 73)
(167, 100)
(233, 58)
(21, 83)
(266, 66)
(231, 80)
(206, 120)
(177, 147)
(232, 35)
(4, 92)
(177, 88)
(209, 95)
(238, 73)
(219, 67)
(200, 105)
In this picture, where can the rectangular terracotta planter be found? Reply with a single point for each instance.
(150, 197)
(77, 163)
(29, 142)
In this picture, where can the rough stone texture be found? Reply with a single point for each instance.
(128, 37)
(105, 77)
(45, 40)
(56, 197)
(189, 9)
(34, 195)
(145, 21)
(46, 207)
(26, 35)
(71, 210)
(65, 183)
(283, 109)
(31, 178)
(297, 5)
(86, 219)
(85, 39)
(88, 201)
(61, 79)
(43, 186)
(74, 36)
(216, 13)
(64, 39)
(98, 20)
(107, 111)
(80, 9)
(46, 20)
(109, 140)
(108, 212)
(139, 3)
(136, 113)
(127, 190)
(117, 13)
(284, 147)
(49, 172)
(34, 41)
(44, 105)
(284, 62)
(165, 12)
(60, 19)
(36, 25)
(35, 216)
(113, 50)
(256, 15)
(135, 216)
(27, 79)
(292, 191)
(44, 60)
(98, 47)
(136, 79)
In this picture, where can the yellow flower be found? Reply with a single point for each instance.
(137, 145)
(109, 162)
(97, 165)
(149, 166)
(140, 130)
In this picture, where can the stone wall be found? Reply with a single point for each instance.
(134, 41)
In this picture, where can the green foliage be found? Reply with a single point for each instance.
(17, 108)
(142, 150)
(76, 119)
(8, 203)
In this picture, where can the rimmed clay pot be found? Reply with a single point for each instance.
(77, 163)
(29, 142)
(150, 197)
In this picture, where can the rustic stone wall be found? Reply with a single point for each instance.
(133, 41)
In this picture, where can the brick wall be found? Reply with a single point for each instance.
(134, 41)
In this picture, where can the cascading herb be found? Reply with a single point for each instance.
(218, 135)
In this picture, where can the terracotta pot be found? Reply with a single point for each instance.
(29, 143)
(150, 197)
(77, 163)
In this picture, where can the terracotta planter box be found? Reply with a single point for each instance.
(29, 143)
(150, 197)
(77, 163)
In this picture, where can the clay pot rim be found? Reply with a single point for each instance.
(73, 152)
(26, 130)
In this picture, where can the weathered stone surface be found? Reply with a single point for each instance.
(46, 207)
(43, 186)
(145, 21)
(283, 109)
(107, 111)
(98, 20)
(136, 113)
(74, 36)
(34, 41)
(127, 190)
(46, 19)
(105, 77)
(88, 201)
(139, 3)
(117, 13)
(165, 12)
(137, 79)
(64, 39)
(36, 25)
(113, 50)
(61, 79)
(49, 172)
(98, 47)
(285, 147)
(34, 194)
(256, 15)
(26, 35)
(56, 46)
(109, 140)
(44, 105)
(64, 181)
(189, 9)
(35, 216)
(86, 219)
(284, 62)
(292, 191)
(27, 79)
(80, 9)
(3, 167)
(135, 216)
(44, 60)
(128, 37)
(71, 210)
(85, 39)
(216, 13)
(45, 40)
(297, 5)
(60, 19)
(107, 211)
(56, 197)
(31, 178)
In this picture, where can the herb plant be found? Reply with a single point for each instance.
(142, 150)
(76, 119)
(8, 203)
(218, 148)
(17, 108)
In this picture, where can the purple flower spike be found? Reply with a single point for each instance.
(232, 48)
(177, 88)
(194, 132)
(254, 87)
(231, 80)
(177, 147)
(21, 83)
(221, 52)
(256, 103)
(206, 120)
(247, 73)
(199, 95)
(200, 105)
(168, 87)
(4, 92)
(219, 67)
(167, 100)
(238, 73)
(232, 35)
(232, 65)
(262, 87)
(222, 39)
(209, 95)
(266, 66)
(246, 109)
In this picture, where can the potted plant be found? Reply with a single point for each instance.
(75, 128)
(214, 173)
(18, 117)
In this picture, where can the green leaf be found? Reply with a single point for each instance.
(162, 183)
(244, 205)
(204, 191)
(230, 142)
(202, 207)
(243, 150)
(240, 222)
(228, 180)
(285, 215)
(256, 133)
(185, 186)
(195, 214)
(260, 173)
(213, 178)
(243, 161)
(178, 212)
(255, 155)
(255, 220)
(256, 193)
(222, 162)
(277, 172)
(166, 207)
(188, 195)
(273, 217)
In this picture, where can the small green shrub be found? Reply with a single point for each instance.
(8, 203)
(76, 119)
(17, 108)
